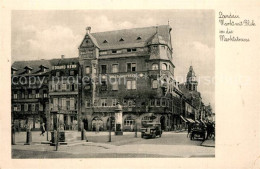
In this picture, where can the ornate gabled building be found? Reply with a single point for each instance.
(30, 93)
(131, 66)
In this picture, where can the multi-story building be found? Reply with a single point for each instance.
(133, 67)
(63, 92)
(194, 104)
(30, 93)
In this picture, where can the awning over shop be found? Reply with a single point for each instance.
(190, 120)
(184, 119)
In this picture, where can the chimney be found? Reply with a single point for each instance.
(88, 29)
(62, 56)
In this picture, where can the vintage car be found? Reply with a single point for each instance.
(151, 130)
(198, 131)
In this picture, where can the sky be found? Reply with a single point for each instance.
(47, 34)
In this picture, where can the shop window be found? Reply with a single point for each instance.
(129, 121)
(57, 73)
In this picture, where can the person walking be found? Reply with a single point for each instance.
(189, 129)
(42, 129)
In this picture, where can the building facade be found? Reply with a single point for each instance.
(133, 67)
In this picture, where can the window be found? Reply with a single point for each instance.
(103, 86)
(103, 52)
(87, 103)
(57, 73)
(131, 103)
(164, 66)
(55, 102)
(37, 95)
(163, 102)
(45, 95)
(105, 41)
(129, 50)
(131, 84)
(72, 103)
(63, 103)
(129, 121)
(59, 87)
(113, 51)
(33, 107)
(87, 69)
(189, 86)
(76, 86)
(72, 73)
(114, 68)
(114, 102)
(158, 102)
(25, 107)
(64, 86)
(155, 84)
(103, 102)
(68, 87)
(134, 49)
(155, 66)
(131, 67)
(94, 70)
(138, 38)
(103, 69)
(194, 87)
(152, 102)
(15, 96)
(18, 107)
(121, 40)
(15, 107)
(114, 85)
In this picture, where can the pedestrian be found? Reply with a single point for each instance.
(42, 129)
(189, 129)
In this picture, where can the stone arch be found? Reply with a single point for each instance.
(97, 123)
(129, 122)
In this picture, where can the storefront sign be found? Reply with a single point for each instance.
(64, 67)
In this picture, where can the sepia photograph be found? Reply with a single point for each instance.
(113, 83)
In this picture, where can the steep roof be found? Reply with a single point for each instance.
(37, 64)
(130, 38)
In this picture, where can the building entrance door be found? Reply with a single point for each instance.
(162, 121)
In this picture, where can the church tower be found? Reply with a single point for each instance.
(191, 81)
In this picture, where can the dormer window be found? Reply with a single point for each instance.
(121, 40)
(86, 41)
(43, 68)
(28, 69)
(138, 38)
(105, 41)
(14, 70)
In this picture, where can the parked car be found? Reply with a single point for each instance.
(151, 130)
(198, 131)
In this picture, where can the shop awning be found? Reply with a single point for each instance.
(184, 119)
(190, 120)
(197, 121)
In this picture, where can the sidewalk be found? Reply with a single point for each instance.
(208, 143)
